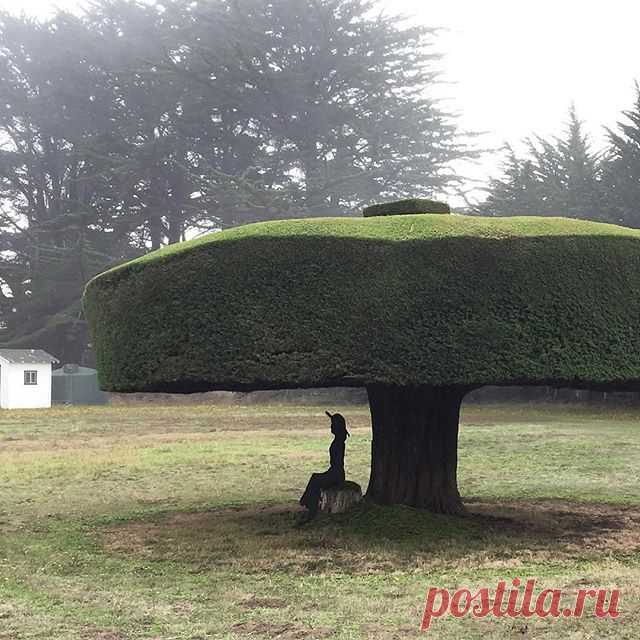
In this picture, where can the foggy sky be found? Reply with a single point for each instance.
(513, 68)
(517, 66)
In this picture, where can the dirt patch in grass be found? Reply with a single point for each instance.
(287, 631)
(106, 635)
(382, 632)
(254, 602)
(373, 540)
(582, 527)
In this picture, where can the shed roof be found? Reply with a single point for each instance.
(27, 356)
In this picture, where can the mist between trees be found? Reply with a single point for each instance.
(129, 126)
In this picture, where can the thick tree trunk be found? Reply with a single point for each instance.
(414, 452)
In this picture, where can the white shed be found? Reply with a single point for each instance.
(25, 378)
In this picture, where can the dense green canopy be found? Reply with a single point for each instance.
(401, 300)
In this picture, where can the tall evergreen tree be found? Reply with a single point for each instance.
(578, 188)
(622, 169)
(339, 99)
(55, 191)
(517, 192)
(557, 177)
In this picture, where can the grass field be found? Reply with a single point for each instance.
(178, 522)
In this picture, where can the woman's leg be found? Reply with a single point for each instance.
(317, 482)
(305, 496)
(313, 501)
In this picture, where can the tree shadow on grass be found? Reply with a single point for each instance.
(370, 539)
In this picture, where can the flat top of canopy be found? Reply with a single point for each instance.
(399, 228)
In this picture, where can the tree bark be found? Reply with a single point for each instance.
(414, 451)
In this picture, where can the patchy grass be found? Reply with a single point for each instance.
(178, 522)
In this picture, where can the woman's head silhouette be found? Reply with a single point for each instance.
(338, 425)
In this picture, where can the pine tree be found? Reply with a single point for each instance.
(517, 192)
(54, 184)
(339, 97)
(558, 177)
(622, 169)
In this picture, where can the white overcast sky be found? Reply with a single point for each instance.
(513, 67)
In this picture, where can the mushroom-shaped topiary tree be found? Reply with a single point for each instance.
(419, 309)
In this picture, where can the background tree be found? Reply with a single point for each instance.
(55, 189)
(558, 177)
(337, 97)
(622, 169)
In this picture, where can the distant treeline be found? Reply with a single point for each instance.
(565, 176)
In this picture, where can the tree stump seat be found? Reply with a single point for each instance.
(340, 498)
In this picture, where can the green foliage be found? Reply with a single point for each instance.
(414, 205)
(405, 300)
(54, 227)
(561, 176)
(336, 94)
(622, 170)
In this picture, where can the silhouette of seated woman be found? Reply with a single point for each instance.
(334, 475)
